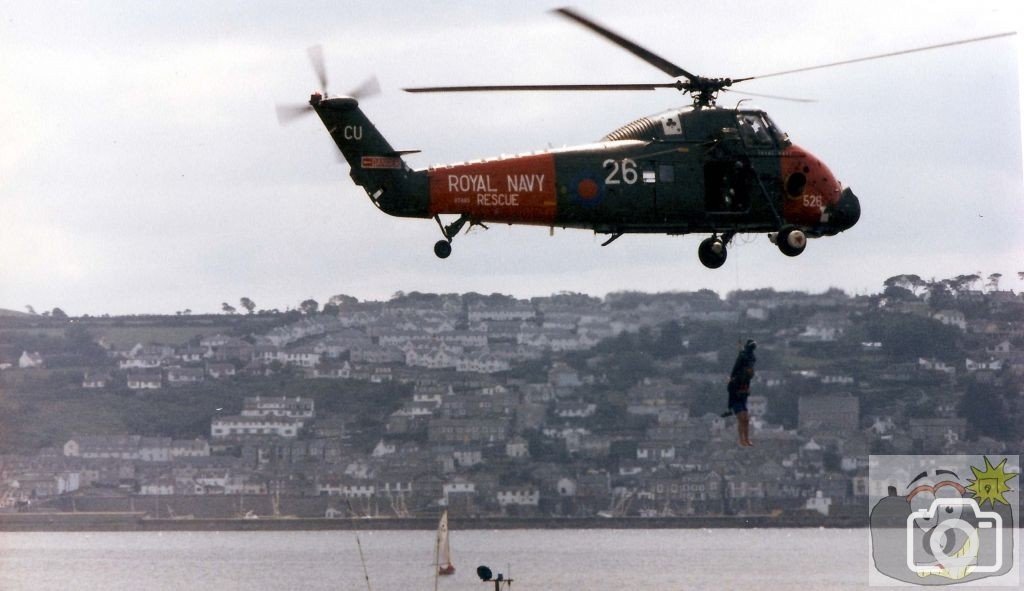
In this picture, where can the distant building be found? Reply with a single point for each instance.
(279, 406)
(177, 376)
(951, 318)
(561, 375)
(220, 370)
(30, 360)
(134, 447)
(145, 380)
(517, 447)
(757, 405)
(528, 496)
(819, 503)
(836, 414)
(253, 426)
(930, 434)
(95, 380)
(468, 430)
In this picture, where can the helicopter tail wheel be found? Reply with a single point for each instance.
(791, 241)
(712, 252)
(442, 248)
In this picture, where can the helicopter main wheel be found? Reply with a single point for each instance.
(712, 252)
(791, 241)
(442, 248)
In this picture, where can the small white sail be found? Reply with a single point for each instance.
(444, 553)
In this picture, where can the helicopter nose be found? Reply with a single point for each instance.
(845, 213)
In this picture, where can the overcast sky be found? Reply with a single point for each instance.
(142, 168)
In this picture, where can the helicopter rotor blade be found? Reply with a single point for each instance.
(370, 87)
(772, 96)
(288, 113)
(544, 87)
(648, 56)
(316, 58)
(883, 55)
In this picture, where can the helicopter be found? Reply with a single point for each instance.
(699, 169)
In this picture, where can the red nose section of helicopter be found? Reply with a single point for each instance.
(811, 190)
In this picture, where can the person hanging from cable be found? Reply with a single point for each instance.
(739, 390)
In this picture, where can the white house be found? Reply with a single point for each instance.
(819, 503)
(457, 486)
(517, 447)
(384, 448)
(30, 360)
(951, 318)
(190, 448)
(220, 370)
(468, 456)
(935, 365)
(278, 406)
(241, 426)
(95, 380)
(991, 364)
(161, 485)
(177, 376)
(481, 363)
(527, 496)
(145, 380)
(757, 405)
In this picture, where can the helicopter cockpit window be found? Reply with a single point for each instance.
(780, 136)
(754, 130)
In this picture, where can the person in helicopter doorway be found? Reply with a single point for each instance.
(739, 390)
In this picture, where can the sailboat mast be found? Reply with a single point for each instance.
(437, 557)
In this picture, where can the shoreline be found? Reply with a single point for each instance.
(139, 522)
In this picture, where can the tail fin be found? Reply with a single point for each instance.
(376, 166)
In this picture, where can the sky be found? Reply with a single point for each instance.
(143, 170)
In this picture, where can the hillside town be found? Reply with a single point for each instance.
(565, 406)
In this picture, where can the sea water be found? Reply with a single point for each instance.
(592, 559)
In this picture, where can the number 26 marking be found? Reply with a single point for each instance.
(622, 171)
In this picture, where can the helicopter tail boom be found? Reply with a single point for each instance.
(376, 167)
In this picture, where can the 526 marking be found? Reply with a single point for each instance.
(813, 201)
(621, 171)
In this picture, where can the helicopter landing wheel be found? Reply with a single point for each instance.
(442, 248)
(712, 252)
(791, 241)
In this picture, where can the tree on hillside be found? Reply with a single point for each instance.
(309, 306)
(896, 292)
(906, 337)
(227, 308)
(939, 294)
(669, 342)
(912, 283)
(342, 299)
(248, 304)
(985, 410)
(59, 314)
(993, 281)
(30, 309)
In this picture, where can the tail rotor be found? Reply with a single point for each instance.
(288, 113)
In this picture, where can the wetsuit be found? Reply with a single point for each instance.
(739, 381)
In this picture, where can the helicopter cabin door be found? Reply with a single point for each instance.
(729, 179)
(726, 186)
